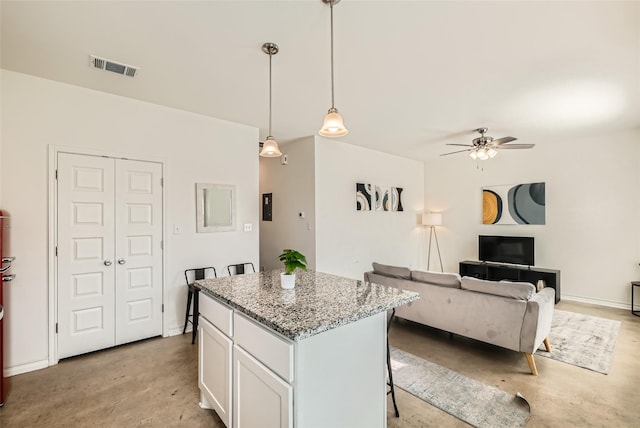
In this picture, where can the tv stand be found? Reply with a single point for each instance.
(500, 271)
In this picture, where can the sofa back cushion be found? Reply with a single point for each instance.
(514, 290)
(392, 271)
(436, 278)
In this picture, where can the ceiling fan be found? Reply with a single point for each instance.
(484, 147)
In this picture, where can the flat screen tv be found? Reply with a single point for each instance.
(517, 250)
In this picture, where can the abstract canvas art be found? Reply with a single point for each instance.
(363, 197)
(378, 198)
(514, 204)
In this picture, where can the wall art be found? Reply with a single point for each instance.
(363, 197)
(514, 204)
(370, 197)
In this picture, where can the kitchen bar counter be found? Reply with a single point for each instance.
(318, 303)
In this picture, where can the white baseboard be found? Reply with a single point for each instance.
(617, 305)
(176, 331)
(24, 368)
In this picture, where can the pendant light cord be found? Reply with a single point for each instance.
(332, 98)
(270, 55)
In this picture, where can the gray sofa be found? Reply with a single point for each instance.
(507, 314)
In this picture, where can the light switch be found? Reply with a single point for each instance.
(177, 229)
(248, 227)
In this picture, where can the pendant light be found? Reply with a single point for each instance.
(269, 145)
(333, 125)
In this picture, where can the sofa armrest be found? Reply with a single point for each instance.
(537, 320)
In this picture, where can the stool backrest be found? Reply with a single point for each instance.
(240, 268)
(198, 273)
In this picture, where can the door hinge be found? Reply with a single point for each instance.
(56, 328)
(162, 245)
(56, 251)
(163, 308)
(56, 174)
(161, 182)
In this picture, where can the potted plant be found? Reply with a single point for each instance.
(292, 260)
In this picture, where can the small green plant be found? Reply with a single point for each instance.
(292, 259)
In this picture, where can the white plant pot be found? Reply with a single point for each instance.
(287, 281)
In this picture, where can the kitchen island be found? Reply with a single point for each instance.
(313, 356)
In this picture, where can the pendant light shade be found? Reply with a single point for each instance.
(270, 147)
(333, 125)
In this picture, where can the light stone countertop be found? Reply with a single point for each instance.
(318, 303)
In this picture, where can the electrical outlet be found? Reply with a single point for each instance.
(248, 227)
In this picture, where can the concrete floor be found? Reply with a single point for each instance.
(154, 383)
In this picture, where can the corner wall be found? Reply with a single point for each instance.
(292, 186)
(37, 113)
(592, 232)
(348, 241)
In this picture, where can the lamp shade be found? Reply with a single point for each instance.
(432, 219)
(333, 125)
(270, 148)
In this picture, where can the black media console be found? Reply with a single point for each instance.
(498, 272)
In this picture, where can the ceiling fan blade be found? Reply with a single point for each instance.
(503, 140)
(461, 145)
(459, 151)
(516, 146)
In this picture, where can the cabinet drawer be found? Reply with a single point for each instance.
(271, 350)
(218, 314)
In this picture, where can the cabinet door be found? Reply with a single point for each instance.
(214, 369)
(261, 398)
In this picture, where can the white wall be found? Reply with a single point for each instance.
(348, 241)
(37, 113)
(292, 186)
(592, 232)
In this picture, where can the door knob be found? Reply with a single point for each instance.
(108, 262)
(121, 261)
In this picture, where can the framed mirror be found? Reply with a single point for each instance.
(216, 207)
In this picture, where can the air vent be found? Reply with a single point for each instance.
(115, 67)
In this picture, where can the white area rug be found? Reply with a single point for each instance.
(467, 399)
(582, 340)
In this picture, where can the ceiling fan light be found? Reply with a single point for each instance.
(473, 154)
(333, 125)
(492, 153)
(270, 148)
(482, 154)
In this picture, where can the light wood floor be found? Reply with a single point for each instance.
(154, 383)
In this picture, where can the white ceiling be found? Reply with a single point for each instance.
(409, 75)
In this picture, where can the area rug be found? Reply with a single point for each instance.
(582, 340)
(467, 399)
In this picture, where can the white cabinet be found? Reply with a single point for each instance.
(261, 398)
(215, 370)
(255, 377)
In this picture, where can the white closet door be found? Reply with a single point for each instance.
(85, 254)
(138, 250)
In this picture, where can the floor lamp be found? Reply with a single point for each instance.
(432, 220)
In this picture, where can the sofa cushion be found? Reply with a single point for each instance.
(436, 278)
(514, 290)
(392, 271)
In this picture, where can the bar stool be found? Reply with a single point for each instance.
(390, 383)
(634, 284)
(239, 269)
(198, 273)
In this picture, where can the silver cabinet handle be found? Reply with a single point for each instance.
(121, 261)
(4, 269)
(108, 262)
(8, 259)
(8, 278)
